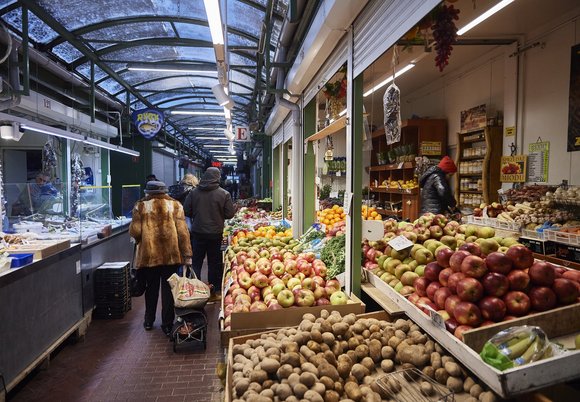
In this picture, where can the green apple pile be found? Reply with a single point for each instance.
(430, 234)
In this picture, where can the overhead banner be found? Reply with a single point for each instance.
(538, 161)
(513, 169)
(574, 107)
(148, 122)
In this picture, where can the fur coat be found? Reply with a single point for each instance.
(159, 228)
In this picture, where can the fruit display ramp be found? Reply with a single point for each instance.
(508, 383)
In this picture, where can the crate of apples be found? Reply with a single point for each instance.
(470, 289)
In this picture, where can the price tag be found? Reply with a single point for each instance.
(400, 243)
(228, 284)
(401, 165)
(347, 201)
(221, 315)
(338, 174)
(334, 194)
(436, 318)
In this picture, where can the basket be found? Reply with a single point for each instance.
(557, 236)
(534, 234)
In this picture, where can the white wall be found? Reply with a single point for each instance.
(544, 78)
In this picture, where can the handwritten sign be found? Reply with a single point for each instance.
(400, 243)
(538, 161)
(510, 131)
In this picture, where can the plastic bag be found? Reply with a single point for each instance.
(517, 346)
(188, 292)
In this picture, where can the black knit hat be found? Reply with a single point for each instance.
(155, 187)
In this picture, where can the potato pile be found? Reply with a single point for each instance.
(333, 358)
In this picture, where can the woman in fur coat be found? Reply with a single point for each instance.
(158, 226)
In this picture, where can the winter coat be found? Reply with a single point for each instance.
(208, 205)
(159, 228)
(436, 196)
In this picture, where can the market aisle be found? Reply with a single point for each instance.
(120, 361)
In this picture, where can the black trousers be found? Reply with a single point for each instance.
(154, 275)
(215, 268)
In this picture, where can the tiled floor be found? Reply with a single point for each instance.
(119, 361)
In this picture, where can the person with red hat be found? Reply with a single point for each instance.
(436, 195)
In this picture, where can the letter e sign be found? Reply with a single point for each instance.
(242, 133)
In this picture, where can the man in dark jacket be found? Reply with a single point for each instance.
(436, 196)
(208, 206)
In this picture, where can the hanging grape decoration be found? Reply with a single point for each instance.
(444, 34)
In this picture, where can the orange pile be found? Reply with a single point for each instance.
(330, 216)
(370, 214)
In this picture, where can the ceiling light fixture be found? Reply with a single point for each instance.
(389, 79)
(221, 94)
(210, 138)
(176, 69)
(55, 132)
(216, 146)
(484, 16)
(111, 147)
(198, 112)
(206, 128)
(214, 18)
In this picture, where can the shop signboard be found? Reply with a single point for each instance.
(513, 169)
(243, 134)
(574, 103)
(148, 122)
(430, 148)
(538, 161)
(510, 131)
(473, 118)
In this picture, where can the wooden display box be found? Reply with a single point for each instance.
(291, 316)
(380, 315)
(40, 248)
(511, 382)
(251, 323)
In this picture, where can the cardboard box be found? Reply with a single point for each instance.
(544, 247)
(380, 315)
(40, 248)
(291, 316)
(566, 252)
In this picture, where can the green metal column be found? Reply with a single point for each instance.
(357, 185)
(25, 55)
(284, 178)
(309, 189)
(267, 167)
(104, 167)
(276, 178)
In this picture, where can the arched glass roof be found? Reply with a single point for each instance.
(112, 34)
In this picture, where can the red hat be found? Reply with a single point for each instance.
(447, 165)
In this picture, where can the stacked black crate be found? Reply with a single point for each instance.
(112, 297)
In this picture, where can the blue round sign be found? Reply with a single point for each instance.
(148, 122)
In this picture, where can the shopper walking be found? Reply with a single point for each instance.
(208, 205)
(436, 196)
(181, 190)
(159, 229)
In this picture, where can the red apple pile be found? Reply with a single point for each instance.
(268, 280)
(471, 290)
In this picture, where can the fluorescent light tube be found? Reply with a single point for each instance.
(484, 16)
(210, 138)
(55, 132)
(206, 128)
(171, 70)
(385, 82)
(216, 146)
(111, 147)
(198, 112)
(212, 9)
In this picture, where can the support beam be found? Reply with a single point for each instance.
(284, 180)
(276, 160)
(92, 94)
(25, 56)
(309, 172)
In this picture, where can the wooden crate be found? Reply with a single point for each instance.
(380, 315)
(40, 248)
